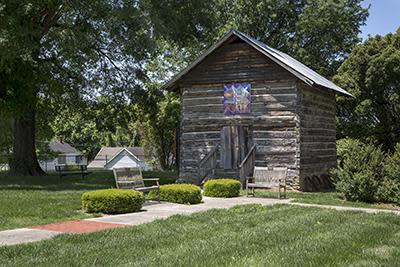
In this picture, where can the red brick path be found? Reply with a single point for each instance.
(78, 226)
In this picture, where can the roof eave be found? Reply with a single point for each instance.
(171, 85)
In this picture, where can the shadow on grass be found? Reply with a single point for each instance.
(52, 182)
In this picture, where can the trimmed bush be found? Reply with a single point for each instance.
(112, 201)
(179, 193)
(222, 188)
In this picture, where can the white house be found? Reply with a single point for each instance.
(119, 157)
(66, 155)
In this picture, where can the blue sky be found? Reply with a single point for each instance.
(384, 17)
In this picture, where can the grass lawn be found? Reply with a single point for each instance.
(325, 198)
(28, 201)
(249, 235)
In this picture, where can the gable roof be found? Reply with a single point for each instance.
(62, 147)
(127, 152)
(106, 154)
(295, 67)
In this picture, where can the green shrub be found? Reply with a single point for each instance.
(222, 188)
(388, 191)
(360, 170)
(112, 201)
(366, 174)
(179, 193)
(392, 165)
(356, 156)
(360, 186)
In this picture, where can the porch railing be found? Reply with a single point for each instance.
(207, 165)
(247, 165)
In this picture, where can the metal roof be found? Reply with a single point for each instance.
(295, 67)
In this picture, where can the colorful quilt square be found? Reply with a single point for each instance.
(237, 98)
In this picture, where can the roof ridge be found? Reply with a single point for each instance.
(298, 69)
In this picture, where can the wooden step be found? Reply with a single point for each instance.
(221, 173)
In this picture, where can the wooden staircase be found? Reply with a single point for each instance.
(208, 167)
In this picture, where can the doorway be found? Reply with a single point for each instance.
(236, 142)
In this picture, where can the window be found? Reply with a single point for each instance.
(237, 98)
(62, 160)
(78, 159)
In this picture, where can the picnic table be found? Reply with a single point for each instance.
(64, 170)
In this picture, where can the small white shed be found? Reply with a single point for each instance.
(123, 159)
(119, 157)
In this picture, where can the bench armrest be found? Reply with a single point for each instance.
(154, 180)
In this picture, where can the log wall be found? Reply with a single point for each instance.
(273, 120)
(317, 137)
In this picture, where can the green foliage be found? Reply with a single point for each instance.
(157, 125)
(372, 75)
(356, 156)
(392, 165)
(359, 171)
(5, 137)
(56, 55)
(112, 201)
(365, 173)
(179, 193)
(389, 191)
(319, 33)
(358, 186)
(222, 188)
(89, 125)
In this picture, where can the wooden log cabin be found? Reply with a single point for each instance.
(245, 104)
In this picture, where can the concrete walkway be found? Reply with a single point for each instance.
(164, 210)
(344, 208)
(24, 235)
(151, 211)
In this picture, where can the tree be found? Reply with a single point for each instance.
(89, 125)
(372, 75)
(72, 50)
(319, 33)
(158, 121)
(65, 49)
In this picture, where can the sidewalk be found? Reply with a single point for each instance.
(344, 208)
(151, 211)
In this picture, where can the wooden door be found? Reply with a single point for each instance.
(235, 144)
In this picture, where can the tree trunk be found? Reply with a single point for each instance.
(24, 161)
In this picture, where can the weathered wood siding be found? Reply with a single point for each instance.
(272, 121)
(317, 136)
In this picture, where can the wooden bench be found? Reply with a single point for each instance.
(64, 170)
(132, 178)
(267, 177)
